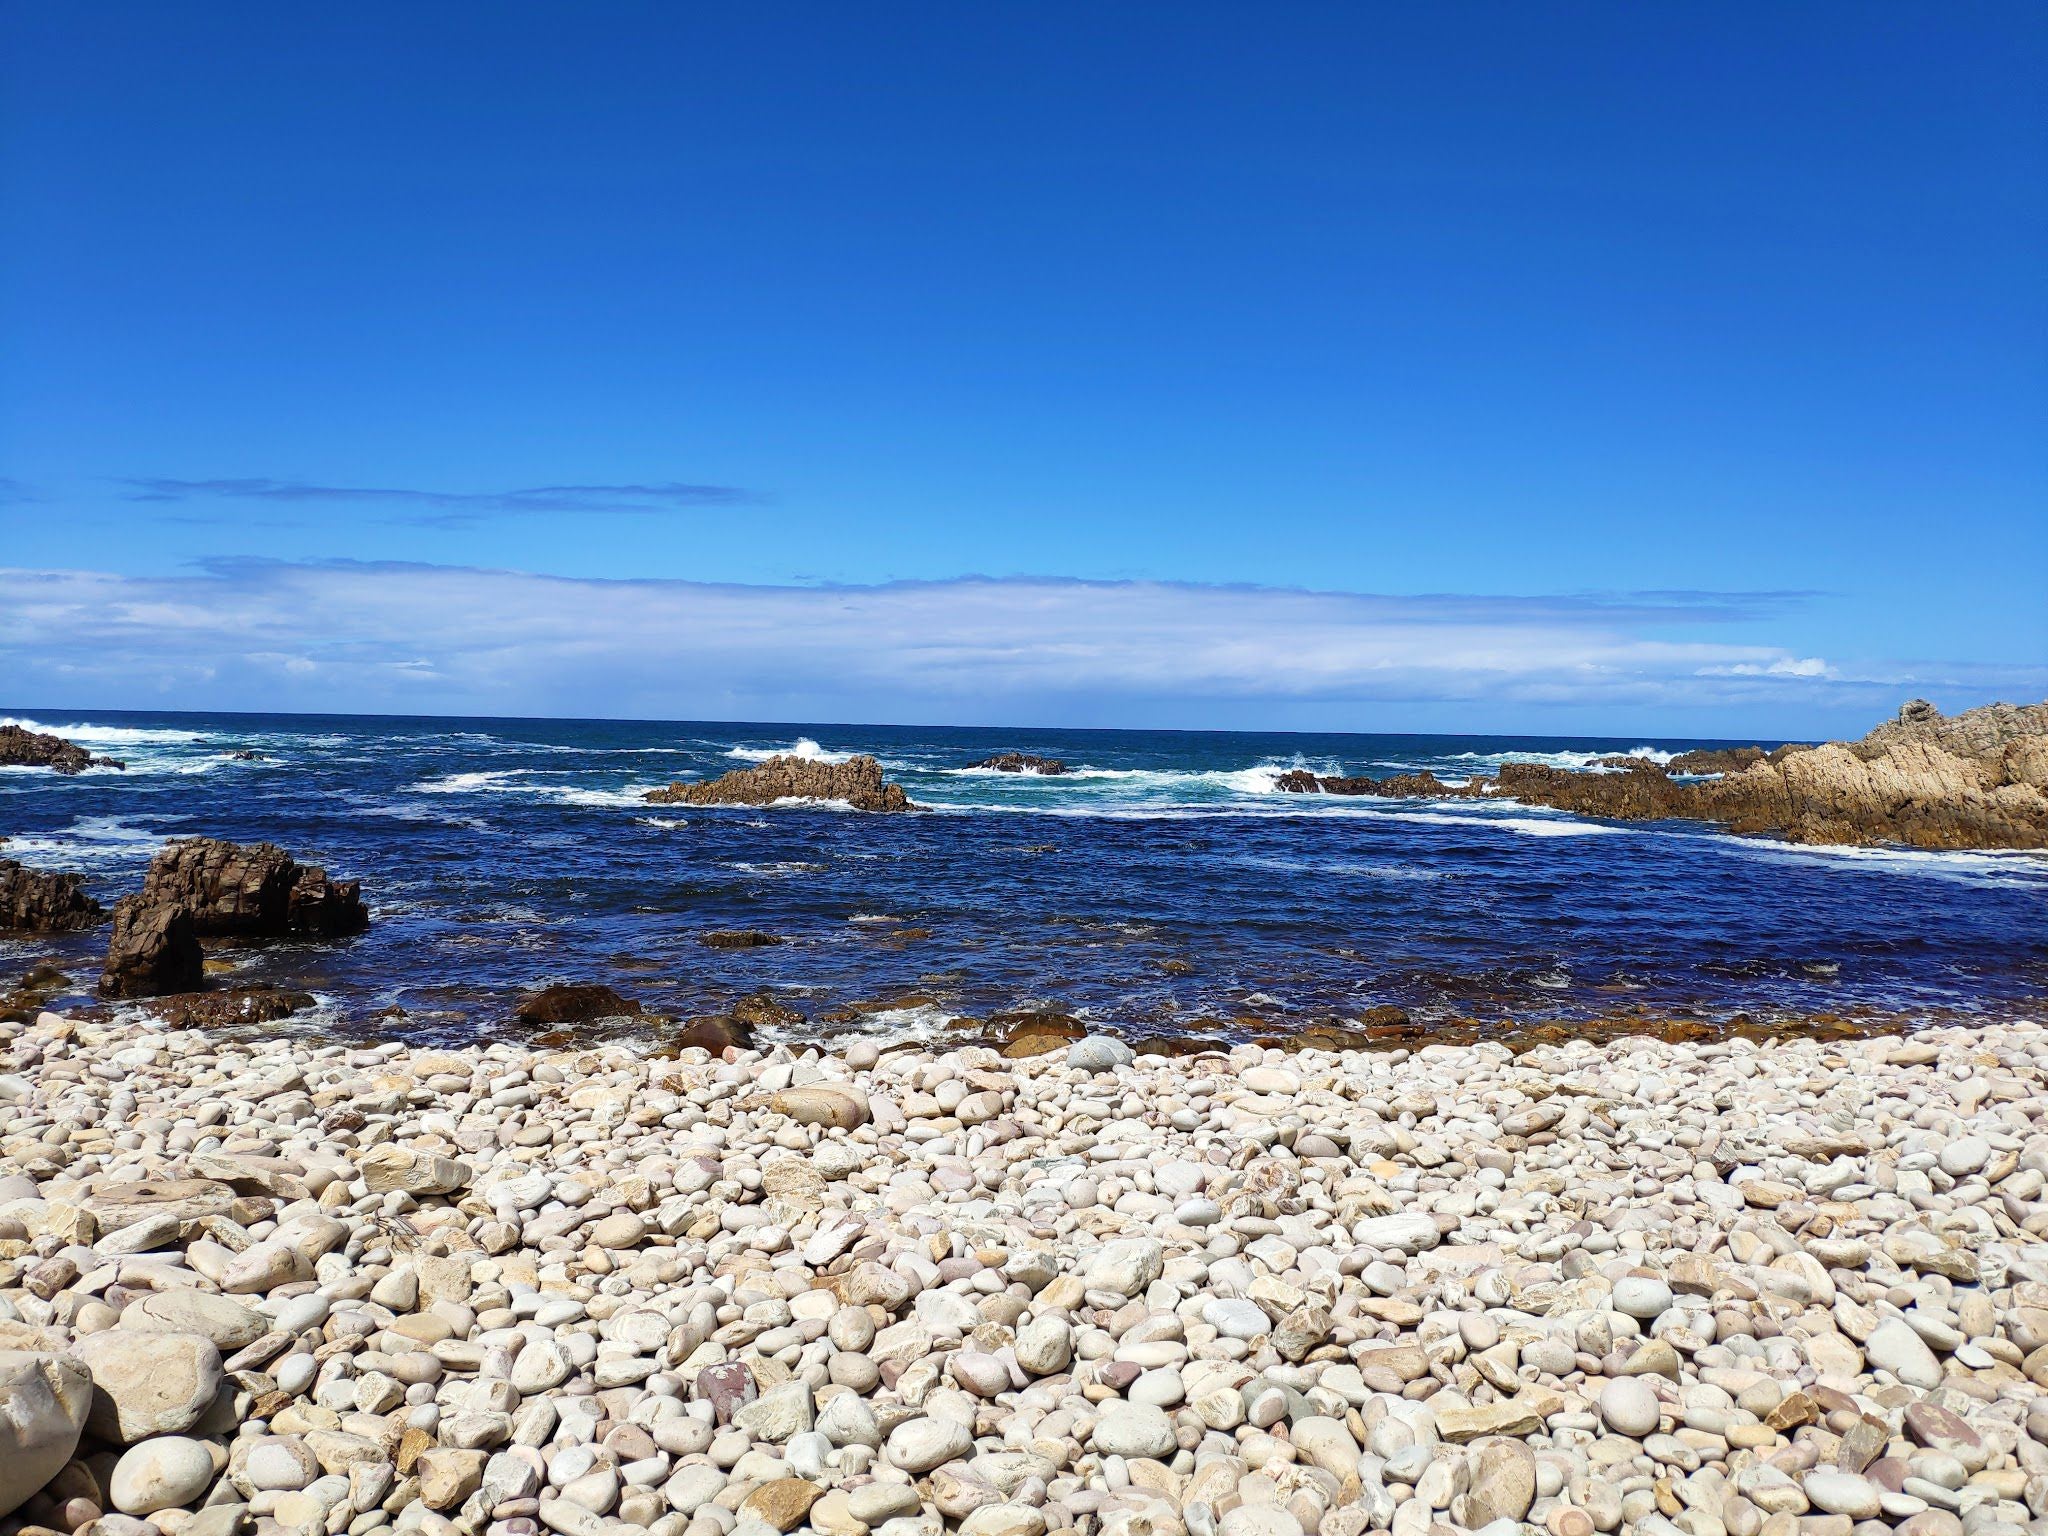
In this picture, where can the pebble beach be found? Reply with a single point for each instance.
(1788, 1288)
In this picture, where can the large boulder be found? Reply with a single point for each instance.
(148, 1384)
(254, 890)
(857, 782)
(154, 949)
(44, 1401)
(22, 748)
(41, 901)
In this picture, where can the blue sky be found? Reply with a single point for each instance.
(1538, 366)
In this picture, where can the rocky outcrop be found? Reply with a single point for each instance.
(1022, 762)
(154, 949)
(857, 782)
(41, 901)
(1990, 734)
(1977, 780)
(253, 891)
(23, 748)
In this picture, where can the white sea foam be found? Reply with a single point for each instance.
(88, 842)
(1985, 869)
(1589, 762)
(106, 735)
(804, 748)
(666, 823)
(513, 781)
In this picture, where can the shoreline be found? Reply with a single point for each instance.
(1796, 1288)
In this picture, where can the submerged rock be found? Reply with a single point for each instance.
(23, 748)
(857, 782)
(42, 901)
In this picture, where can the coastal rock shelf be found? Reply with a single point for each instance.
(857, 782)
(1786, 1289)
(1979, 780)
(22, 748)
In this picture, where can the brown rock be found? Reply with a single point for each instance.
(231, 1005)
(575, 1002)
(253, 891)
(858, 782)
(783, 1502)
(1976, 780)
(738, 938)
(42, 901)
(154, 949)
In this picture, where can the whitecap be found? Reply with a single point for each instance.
(1585, 762)
(106, 735)
(2010, 869)
(804, 748)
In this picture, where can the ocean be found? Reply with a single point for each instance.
(1161, 887)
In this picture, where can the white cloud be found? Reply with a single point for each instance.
(348, 636)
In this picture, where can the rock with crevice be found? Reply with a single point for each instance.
(44, 901)
(253, 890)
(154, 949)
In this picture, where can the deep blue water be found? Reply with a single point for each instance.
(496, 854)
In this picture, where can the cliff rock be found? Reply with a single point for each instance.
(41, 901)
(858, 782)
(154, 949)
(255, 890)
(1974, 780)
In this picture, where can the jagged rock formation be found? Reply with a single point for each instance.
(1976, 780)
(22, 748)
(858, 782)
(154, 949)
(1022, 762)
(42, 901)
(1731, 759)
(253, 891)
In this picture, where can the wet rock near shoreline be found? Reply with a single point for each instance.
(1022, 762)
(1793, 1287)
(43, 901)
(1977, 780)
(228, 1007)
(857, 782)
(23, 748)
(253, 890)
(573, 1003)
(154, 949)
